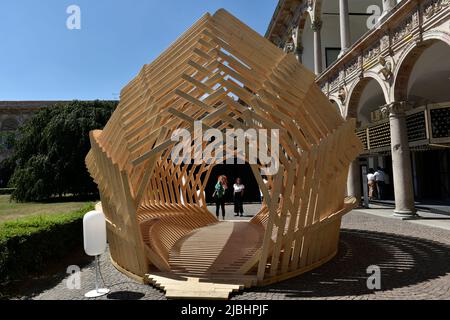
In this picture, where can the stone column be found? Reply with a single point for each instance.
(317, 27)
(401, 161)
(354, 181)
(298, 52)
(388, 5)
(344, 19)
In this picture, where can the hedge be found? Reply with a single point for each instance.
(6, 190)
(29, 245)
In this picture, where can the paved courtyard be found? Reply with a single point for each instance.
(413, 258)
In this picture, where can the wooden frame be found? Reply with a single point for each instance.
(159, 229)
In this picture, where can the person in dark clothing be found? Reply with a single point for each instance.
(219, 195)
(238, 197)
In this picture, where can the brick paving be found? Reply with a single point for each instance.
(413, 259)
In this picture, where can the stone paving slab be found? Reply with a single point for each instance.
(413, 259)
(438, 207)
(429, 219)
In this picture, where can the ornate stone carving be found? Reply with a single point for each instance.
(372, 52)
(342, 94)
(415, 18)
(395, 109)
(386, 68)
(342, 75)
(293, 43)
(405, 29)
(289, 47)
(433, 7)
(352, 66)
(334, 81)
(384, 42)
(316, 25)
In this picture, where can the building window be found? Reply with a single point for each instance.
(331, 55)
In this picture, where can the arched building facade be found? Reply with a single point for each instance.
(14, 114)
(387, 64)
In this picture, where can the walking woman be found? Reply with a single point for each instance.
(219, 195)
(238, 197)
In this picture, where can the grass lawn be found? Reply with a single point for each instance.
(10, 210)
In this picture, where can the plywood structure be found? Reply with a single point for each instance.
(159, 229)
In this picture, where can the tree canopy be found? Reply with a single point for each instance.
(51, 148)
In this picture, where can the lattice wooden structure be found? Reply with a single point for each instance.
(159, 229)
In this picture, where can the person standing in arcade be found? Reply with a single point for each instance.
(238, 198)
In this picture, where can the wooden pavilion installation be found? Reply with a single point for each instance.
(159, 229)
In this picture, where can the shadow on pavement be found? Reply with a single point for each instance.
(403, 261)
(125, 295)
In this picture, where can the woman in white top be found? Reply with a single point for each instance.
(238, 197)
(372, 184)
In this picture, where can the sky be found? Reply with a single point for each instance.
(42, 59)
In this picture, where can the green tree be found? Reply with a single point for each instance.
(51, 149)
(8, 140)
(7, 143)
(6, 170)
